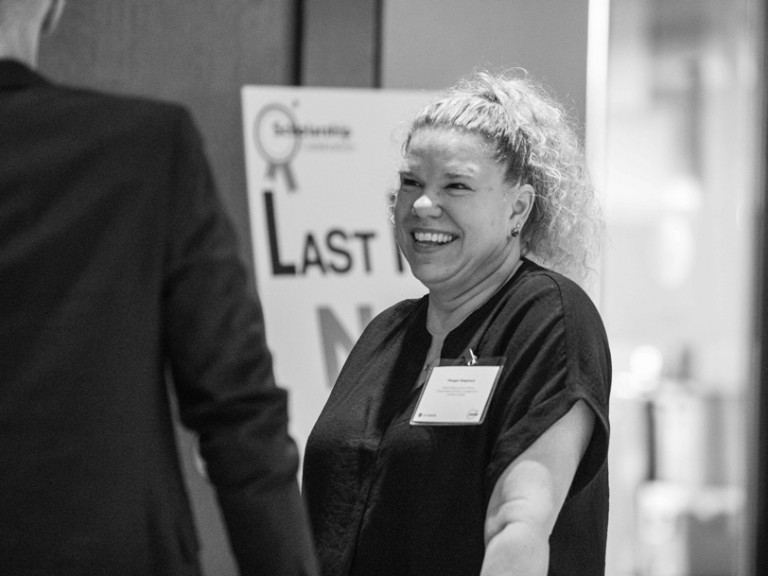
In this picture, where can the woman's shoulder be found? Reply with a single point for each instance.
(549, 286)
(392, 318)
(542, 301)
(400, 310)
(556, 300)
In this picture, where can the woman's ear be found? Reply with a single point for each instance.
(522, 203)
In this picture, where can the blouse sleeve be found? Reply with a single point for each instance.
(556, 354)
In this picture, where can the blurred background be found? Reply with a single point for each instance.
(671, 97)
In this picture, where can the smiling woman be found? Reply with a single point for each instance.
(507, 473)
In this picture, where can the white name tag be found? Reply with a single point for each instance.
(456, 395)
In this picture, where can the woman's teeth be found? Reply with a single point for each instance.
(433, 237)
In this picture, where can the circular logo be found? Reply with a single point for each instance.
(275, 134)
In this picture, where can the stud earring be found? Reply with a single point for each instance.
(515, 231)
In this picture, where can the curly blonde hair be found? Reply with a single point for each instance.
(536, 139)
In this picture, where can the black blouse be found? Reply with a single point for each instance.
(389, 498)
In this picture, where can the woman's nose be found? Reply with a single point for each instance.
(425, 206)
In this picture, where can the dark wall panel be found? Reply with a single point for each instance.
(341, 43)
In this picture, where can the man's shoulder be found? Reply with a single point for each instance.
(137, 121)
(29, 93)
(122, 103)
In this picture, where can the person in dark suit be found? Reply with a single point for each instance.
(120, 273)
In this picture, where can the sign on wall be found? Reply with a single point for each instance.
(321, 163)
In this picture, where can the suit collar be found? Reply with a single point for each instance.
(14, 74)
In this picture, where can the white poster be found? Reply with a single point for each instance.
(320, 165)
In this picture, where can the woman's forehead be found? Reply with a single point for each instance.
(456, 149)
(447, 140)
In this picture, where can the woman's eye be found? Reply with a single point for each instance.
(406, 182)
(458, 186)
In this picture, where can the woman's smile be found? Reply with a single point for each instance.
(427, 239)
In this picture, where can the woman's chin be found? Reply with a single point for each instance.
(432, 279)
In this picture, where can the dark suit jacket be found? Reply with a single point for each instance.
(117, 267)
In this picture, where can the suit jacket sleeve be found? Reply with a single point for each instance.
(222, 371)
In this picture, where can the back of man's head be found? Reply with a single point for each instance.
(21, 24)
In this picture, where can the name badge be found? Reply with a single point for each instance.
(456, 395)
